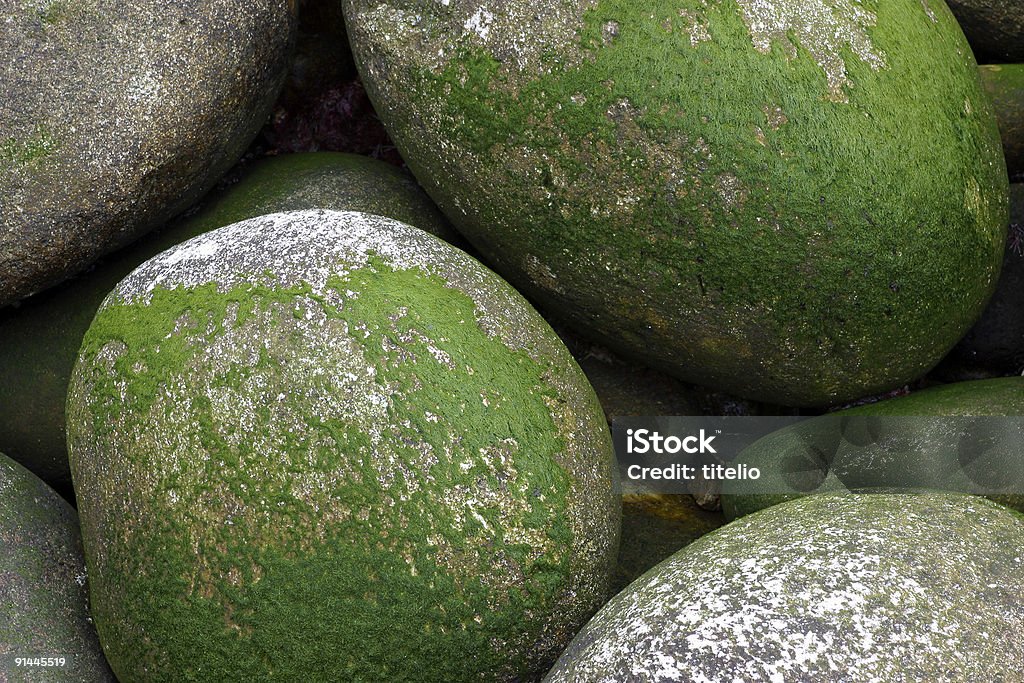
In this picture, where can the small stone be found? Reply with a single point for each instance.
(827, 588)
(331, 428)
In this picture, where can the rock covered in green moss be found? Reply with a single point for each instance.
(44, 613)
(116, 115)
(994, 27)
(827, 588)
(328, 446)
(900, 442)
(801, 201)
(1004, 83)
(39, 339)
(996, 342)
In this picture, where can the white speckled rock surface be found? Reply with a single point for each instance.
(830, 588)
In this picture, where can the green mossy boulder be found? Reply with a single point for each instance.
(39, 338)
(44, 611)
(901, 442)
(799, 201)
(995, 28)
(328, 446)
(826, 588)
(116, 115)
(996, 342)
(1004, 83)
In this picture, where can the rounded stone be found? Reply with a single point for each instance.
(832, 587)
(328, 446)
(1004, 83)
(41, 335)
(905, 442)
(45, 610)
(799, 201)
(994, 27)
(118, 115)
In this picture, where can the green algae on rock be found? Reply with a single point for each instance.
(827, 588)
(118, 114)
(328, 446)
(996, 342)
(800, 201)
(914, 448)
(40, 338)
(44, 612)
(995, 28)
(1004, 83)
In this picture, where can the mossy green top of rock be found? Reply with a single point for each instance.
(44, 612)
(324, 445)
(995, 28)
(827, 588)
(40, 337)
(117, 115)
(1004, 83)
(894, 443)
(800, 201)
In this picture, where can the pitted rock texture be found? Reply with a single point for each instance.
(118, 115)
(44, 612)
(828, 588)
(328, 446)
(39, 338)
(743, 193)
(946, 438)
(994, 27)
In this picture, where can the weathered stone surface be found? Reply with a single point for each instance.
(39, 338)
(827, 588)
(1004, 83)
(995, 28)
(116, 115)
(904, 448)
(785, 200)
(44, 610)
(328, 446)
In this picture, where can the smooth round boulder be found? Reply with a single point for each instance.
(326, 445)
(797, 201)
(995, 28)
(40, 337)
(1004, 84)
(948, 437)
(832, 587)
(116, 115)
(46, 633)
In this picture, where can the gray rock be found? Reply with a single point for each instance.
(995, 28)
(829, 588)
(115, 116)
(44, 607)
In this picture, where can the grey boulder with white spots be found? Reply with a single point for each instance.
(117, 115)
(878, 587)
